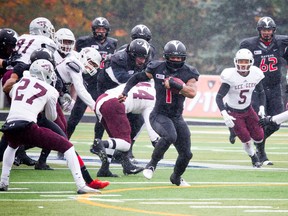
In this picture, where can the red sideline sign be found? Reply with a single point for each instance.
(204, 104)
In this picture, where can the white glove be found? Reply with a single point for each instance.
(261, 112)
(66, 102)
(228, 120)
(68, 106)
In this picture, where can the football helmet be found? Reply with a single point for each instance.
(91, 59)
(138, 48)
(243, 68)
(266, 23)
(42, 53)
(174, 48)
(65, 40)
(100, 22)
(8, 40)
(141, 31)
(42, 26)
(43, 69)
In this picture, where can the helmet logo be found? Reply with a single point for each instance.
(47, 67)
(41, 23)
(101, 20)
(176, 43)
(266, 20)
(145, 46)
(142, 27)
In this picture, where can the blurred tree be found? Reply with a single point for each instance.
(211, 30)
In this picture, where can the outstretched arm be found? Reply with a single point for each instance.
(138, 77)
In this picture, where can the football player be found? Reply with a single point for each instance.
(166, 118)
(267, 49)
(238, 84)
(113, 116)
(30, 96)
(106, 46)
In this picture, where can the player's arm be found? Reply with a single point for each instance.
(136, 78)
(189, 89)
(50, 107)
(262, 98)
(10, 82)
(222, 92)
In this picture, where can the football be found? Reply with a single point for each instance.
(177, 80)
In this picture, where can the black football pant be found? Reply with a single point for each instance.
(171, 130)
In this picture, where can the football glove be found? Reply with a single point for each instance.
(228, 119)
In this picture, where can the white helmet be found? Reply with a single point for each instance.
(91, 59)
(65, 40)
(43, 69)
(243, 54)
(42, 26)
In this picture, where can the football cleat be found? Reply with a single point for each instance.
(24, 159)
(106, 173)
(267, 163)
(255, 161)
(148, 172)
(133, 170)
(85, 189)
(97, 184)
(99, 149)
(42, 166)
(3, 186)
(177, 180)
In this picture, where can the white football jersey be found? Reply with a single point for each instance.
(140, 100)
(241, 88)
(29, 97)
(70, 76)
(27, 43)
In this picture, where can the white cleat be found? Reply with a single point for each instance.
(267, 163)
(3, 186)
(183, 183)
(148, 173)
(87, 189)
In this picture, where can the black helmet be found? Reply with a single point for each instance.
(8, 40)
(100, 22)
(42, 53)
(141, 31)
(174, 48)
(138, 48)
(266, 23)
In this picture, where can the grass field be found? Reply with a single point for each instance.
(222, 180)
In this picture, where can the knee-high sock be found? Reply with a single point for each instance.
(8, 158)
(73, 164)
(86, 175)
(248, 147)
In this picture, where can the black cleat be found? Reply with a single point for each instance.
(42, 166)
(24, 159)
(3, 186)
(106, 173)
(255, 161)
(132, 170)
(99, 149)
(232, 138)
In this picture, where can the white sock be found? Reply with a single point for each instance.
(119, 144)
(73, 164)
(8, 159)
(248, 147)
(110, 153)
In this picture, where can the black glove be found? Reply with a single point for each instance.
(12, 60)
(265, 121)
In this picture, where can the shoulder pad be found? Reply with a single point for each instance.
(248, 42)
(120, 57)
(226, 75)
(154, 64)
(282, 38)
(113, 41)
(74, 66)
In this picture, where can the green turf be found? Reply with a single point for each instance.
(222, 182)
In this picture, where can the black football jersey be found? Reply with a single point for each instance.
(268, 58)
(167, 102)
